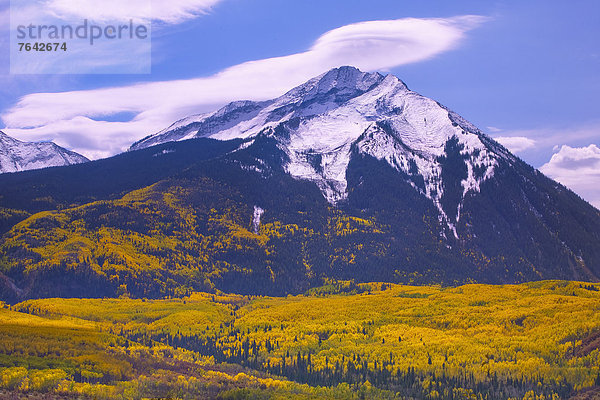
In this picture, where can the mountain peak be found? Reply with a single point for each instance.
(16, 155)
(336, 85)
(348, 77)
(344, 111)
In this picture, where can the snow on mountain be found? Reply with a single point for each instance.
(18, 156)
(343, 111)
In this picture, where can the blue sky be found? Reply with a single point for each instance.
(526, 72)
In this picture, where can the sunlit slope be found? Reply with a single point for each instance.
(196, 228)
(499, 341)
(198, 233)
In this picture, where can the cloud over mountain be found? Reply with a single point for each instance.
(579, 169)
(81, 120)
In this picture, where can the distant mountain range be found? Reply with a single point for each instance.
(16, 156)
(349, 176)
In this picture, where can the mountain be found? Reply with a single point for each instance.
(18, 156)
(321, 124)
(348, 176)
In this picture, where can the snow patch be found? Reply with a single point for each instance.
(162, 153)
(258, 212)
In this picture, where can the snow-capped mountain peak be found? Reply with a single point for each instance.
(16, 155)
(344, 113)
(340, 83)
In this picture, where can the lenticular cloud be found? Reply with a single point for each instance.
(170, 12)
(81, 120)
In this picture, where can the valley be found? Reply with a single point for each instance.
(342, 340)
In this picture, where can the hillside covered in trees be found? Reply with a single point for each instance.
(343, 340)
(181, 217)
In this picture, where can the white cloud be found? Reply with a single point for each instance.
(170, 12)
(549, 136)
(374, 45)
(579, 169)
(515, 144)
(106, 56)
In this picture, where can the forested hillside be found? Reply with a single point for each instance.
(196, 229)
(344, 340)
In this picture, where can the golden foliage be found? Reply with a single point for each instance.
(525, 332)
